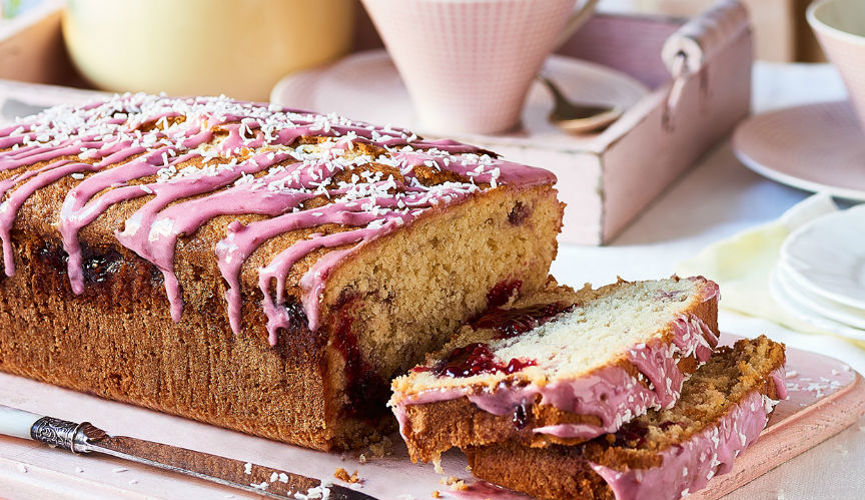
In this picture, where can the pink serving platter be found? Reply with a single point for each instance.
(826, 396)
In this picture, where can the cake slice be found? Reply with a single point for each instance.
(664, 454)
(559, 366)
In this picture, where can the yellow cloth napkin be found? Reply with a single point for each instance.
(742, 264)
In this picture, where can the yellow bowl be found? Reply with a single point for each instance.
(203, 47)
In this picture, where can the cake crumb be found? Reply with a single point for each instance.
(343, 475)
(437, 465)
(79, 470)
(468, 468)
(381, 449)
(459, 486)
(436, 494)
(362, 458)
(454, 482)
(118, 470)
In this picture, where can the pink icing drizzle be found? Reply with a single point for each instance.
(688, 467)
(611, 393)
(132, 138)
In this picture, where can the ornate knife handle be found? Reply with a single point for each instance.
(51, 431)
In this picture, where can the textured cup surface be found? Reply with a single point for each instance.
(469, 64)
(840, 27)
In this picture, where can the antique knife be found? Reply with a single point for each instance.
(85, 438)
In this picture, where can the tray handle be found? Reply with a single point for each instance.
(687, 51)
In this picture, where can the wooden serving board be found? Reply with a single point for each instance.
(826, 396)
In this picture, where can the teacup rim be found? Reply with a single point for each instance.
(819, 25)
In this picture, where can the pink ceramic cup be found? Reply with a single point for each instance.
(468, 64)
(840, 28)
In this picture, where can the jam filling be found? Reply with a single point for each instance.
(521, 415)
(633, 434)
(366, 390)
(296, 316)
(502, 292)
(476, 359)
(518, 215)
(99, 265)
(510, 323)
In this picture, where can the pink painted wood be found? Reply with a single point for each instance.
(608, 179)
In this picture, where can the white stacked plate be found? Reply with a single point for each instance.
(820, 275)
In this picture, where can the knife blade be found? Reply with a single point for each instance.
(85, 438)
(13, 108)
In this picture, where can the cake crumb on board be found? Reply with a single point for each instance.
(437, 465)
(455, 483)
(436, 494)
(343, 475)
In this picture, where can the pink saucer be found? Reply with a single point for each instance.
(816, 147)
(367, 86)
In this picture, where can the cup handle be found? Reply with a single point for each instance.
(577, 19)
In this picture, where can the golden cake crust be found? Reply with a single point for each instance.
(117, 339)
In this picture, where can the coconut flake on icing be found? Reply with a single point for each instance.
(611, 394)
(688, 466)
(203, 157)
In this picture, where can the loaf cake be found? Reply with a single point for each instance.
(259, 268)
(559, 366)
(663, 455)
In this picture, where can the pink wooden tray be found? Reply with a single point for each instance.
(607, 179)
(826, 396)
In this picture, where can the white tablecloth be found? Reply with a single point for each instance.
(719, 198)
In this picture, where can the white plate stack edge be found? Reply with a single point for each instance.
(820, 275)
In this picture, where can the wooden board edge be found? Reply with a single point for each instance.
(810, 426)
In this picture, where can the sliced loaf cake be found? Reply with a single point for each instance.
(664, 454)
(559, 366)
